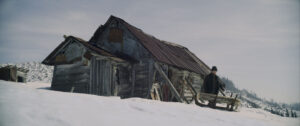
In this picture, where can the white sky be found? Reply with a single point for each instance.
(255, 43)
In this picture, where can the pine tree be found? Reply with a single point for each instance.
(281, 114)
(287, 113)
(272, 111)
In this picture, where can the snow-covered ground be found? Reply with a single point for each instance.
(32, 104)
(39, 72)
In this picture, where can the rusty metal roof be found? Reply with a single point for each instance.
(166, 52)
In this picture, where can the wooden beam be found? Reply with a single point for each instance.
(133, 80)
(182, 91)
(157, 94)
(173, 89)
(233, 102)
(150, 78)
(189, 85)
(222, 92)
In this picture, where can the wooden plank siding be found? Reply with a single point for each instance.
(180, 78)
(143, 78)
(100, 77)
(123, 80)
(171, 85)
(66, 77)
(109, 78)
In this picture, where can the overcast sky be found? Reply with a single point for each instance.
(255, 43)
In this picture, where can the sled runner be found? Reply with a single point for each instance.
(205, 99)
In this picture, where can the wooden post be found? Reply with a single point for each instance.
(232, 104)
(214, 102)
(228, 105)
(182, 92)
(190, 87)
(133, 80)
(157, 94)
(222, 93)
(192, 90)
(72, 89)
(150, 76)
(173, 89)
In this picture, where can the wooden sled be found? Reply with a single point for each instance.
(232, 103)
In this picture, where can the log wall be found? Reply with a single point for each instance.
(143, 78)
(71, 78)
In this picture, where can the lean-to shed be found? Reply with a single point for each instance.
(13, 73)
(122, 60)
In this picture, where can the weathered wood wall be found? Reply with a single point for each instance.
(5, 74)
(101, 71)
(129, 45)
(12, 73)
(71, 77)
(181, 78)
(110, 78)
(195, 80)
(71, 53)
(123, 80)
(141, 73)
(144, 72)
(73, 72)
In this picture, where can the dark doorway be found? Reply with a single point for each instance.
(20, 79)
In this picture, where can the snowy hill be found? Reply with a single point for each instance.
(42, 73)
(32, 104)
(37, 72)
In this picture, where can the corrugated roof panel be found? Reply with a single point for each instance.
(169, 53)
(166, 52)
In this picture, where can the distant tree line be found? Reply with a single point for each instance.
(280, 109)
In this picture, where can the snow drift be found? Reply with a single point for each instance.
(32, 104)
(42, 73)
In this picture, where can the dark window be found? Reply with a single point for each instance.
(115, 35)
(20, 79)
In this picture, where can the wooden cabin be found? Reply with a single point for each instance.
(122, 60)
(13, 73)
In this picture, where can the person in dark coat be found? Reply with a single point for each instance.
(212, 83)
